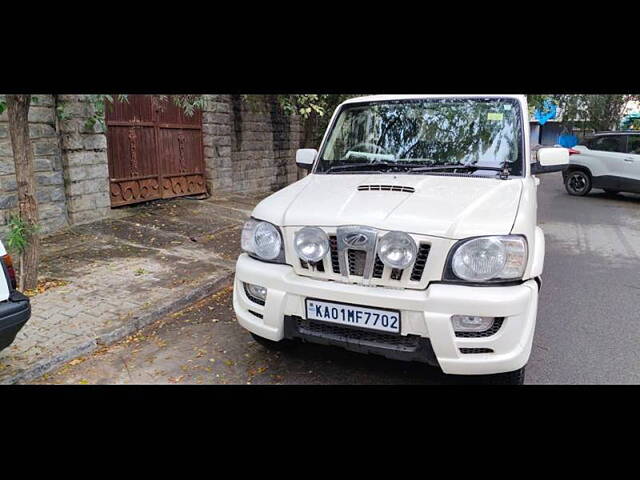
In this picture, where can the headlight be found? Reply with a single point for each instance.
(311, 244)
(489, 259)
(397, 250)
(262, 240)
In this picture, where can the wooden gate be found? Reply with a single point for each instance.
(154, 150)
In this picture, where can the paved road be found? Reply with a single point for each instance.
(588, 320)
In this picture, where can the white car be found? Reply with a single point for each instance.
(414, 237)
(610, 161)
(15, 308)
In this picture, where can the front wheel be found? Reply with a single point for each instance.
(578, 183)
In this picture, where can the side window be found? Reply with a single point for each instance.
(608, 143)
(634, 144)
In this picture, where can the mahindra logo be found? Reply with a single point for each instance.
(356, 240)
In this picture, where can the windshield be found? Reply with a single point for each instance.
(479, 136)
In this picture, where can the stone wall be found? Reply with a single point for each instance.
(84, 158)
(249, 146)
(47, 165)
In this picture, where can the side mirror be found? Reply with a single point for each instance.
(550, 160)
(305, 157)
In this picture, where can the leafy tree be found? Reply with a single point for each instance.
(24, 227)
(587, 112)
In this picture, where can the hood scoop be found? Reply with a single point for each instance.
(385, 188)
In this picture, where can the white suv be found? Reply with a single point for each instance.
(413, 237)
(610, 161)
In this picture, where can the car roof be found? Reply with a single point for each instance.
(390, 98)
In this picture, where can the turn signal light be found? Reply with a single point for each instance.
(12, 273)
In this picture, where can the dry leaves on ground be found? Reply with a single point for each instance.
(44, 285)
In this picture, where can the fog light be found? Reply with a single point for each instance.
(470, 323)
(256, 291)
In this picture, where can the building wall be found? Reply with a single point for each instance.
(84, 160)
(248, 148)
(50, 191)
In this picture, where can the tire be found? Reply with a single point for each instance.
(508, 378)
(281, 346)
(577, 183)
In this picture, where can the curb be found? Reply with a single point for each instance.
(137, 322)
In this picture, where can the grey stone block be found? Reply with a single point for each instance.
(41, 115)
(41, 130)
(5, 148)
(8, 183)
(7, 166)
(42, 165)
(94, 142)
(46, 146)
(8, 200)
(49, 178)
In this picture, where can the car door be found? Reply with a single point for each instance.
(610, 152)
(632, 163)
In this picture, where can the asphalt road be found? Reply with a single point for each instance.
(587, 333)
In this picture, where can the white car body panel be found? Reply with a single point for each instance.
(443, 208)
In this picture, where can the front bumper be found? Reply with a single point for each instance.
(425, 313)
(14, 313)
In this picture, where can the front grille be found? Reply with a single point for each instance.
(378, 268)
(346, 334)
(335, 263)
(319, 266)
(421, 261)
(410, 348)
(476, 350)
(357, 260)
(356, 264)
(487, 333)
(387, 188)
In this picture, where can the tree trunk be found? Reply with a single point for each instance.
(18, 112)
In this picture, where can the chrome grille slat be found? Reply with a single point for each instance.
(421, 261)
(357, 260)
(335, 263)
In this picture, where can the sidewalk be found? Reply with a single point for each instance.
(124, 273)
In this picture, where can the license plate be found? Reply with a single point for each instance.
(353, 315)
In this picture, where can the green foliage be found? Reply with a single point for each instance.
(61, 112)
(587, 112)
(3, 106)
(98, 103)
(19, 233)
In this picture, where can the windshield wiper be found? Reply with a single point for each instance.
(504, 171)
(372, 166)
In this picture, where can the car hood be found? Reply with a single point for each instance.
(440, 205)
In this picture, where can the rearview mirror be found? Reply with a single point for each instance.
(550, 160)
(305, 157)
